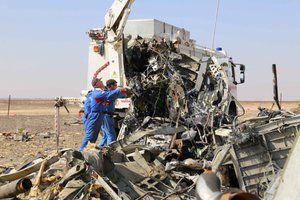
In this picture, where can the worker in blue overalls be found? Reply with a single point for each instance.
(108, 126)
(95, 116)
(87, 109)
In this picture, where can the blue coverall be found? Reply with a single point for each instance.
(108, 126)
(87, 109)
(95, 117)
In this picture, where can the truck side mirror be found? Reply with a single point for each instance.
(238, 72)
(242, 68)
(242, 72)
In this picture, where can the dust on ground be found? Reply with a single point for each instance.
(251, 107)
(37, 118)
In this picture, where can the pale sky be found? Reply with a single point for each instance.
(44, 46)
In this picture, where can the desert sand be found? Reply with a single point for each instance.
(37, 118)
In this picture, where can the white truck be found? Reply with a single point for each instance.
(214, 75)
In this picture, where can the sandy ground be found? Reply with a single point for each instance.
(251, 107)
(37, 118)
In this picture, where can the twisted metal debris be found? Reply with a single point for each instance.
(181, 130)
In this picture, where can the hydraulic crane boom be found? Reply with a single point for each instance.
(107, 43)
(116, 18)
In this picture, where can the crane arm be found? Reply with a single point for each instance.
(116, 18)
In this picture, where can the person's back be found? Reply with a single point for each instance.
(95, 117)
(98, 99)
(87, 109)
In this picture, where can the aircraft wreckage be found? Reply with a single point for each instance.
(177, 141)
(181, 137)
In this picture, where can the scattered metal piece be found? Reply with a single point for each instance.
(35, 190)
(140, 134)
(14, 188)
(107, 188)
(28, 170)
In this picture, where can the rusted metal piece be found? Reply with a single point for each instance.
(275, 86)
(239, 196)
(14, 188)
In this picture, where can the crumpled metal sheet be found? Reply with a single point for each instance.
(146, 172)
(178, 127)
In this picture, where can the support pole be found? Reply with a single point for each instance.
(57, 126)
(8, 109)
(275, 86)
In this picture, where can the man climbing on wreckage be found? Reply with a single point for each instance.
(94, 114)
(108, 126)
